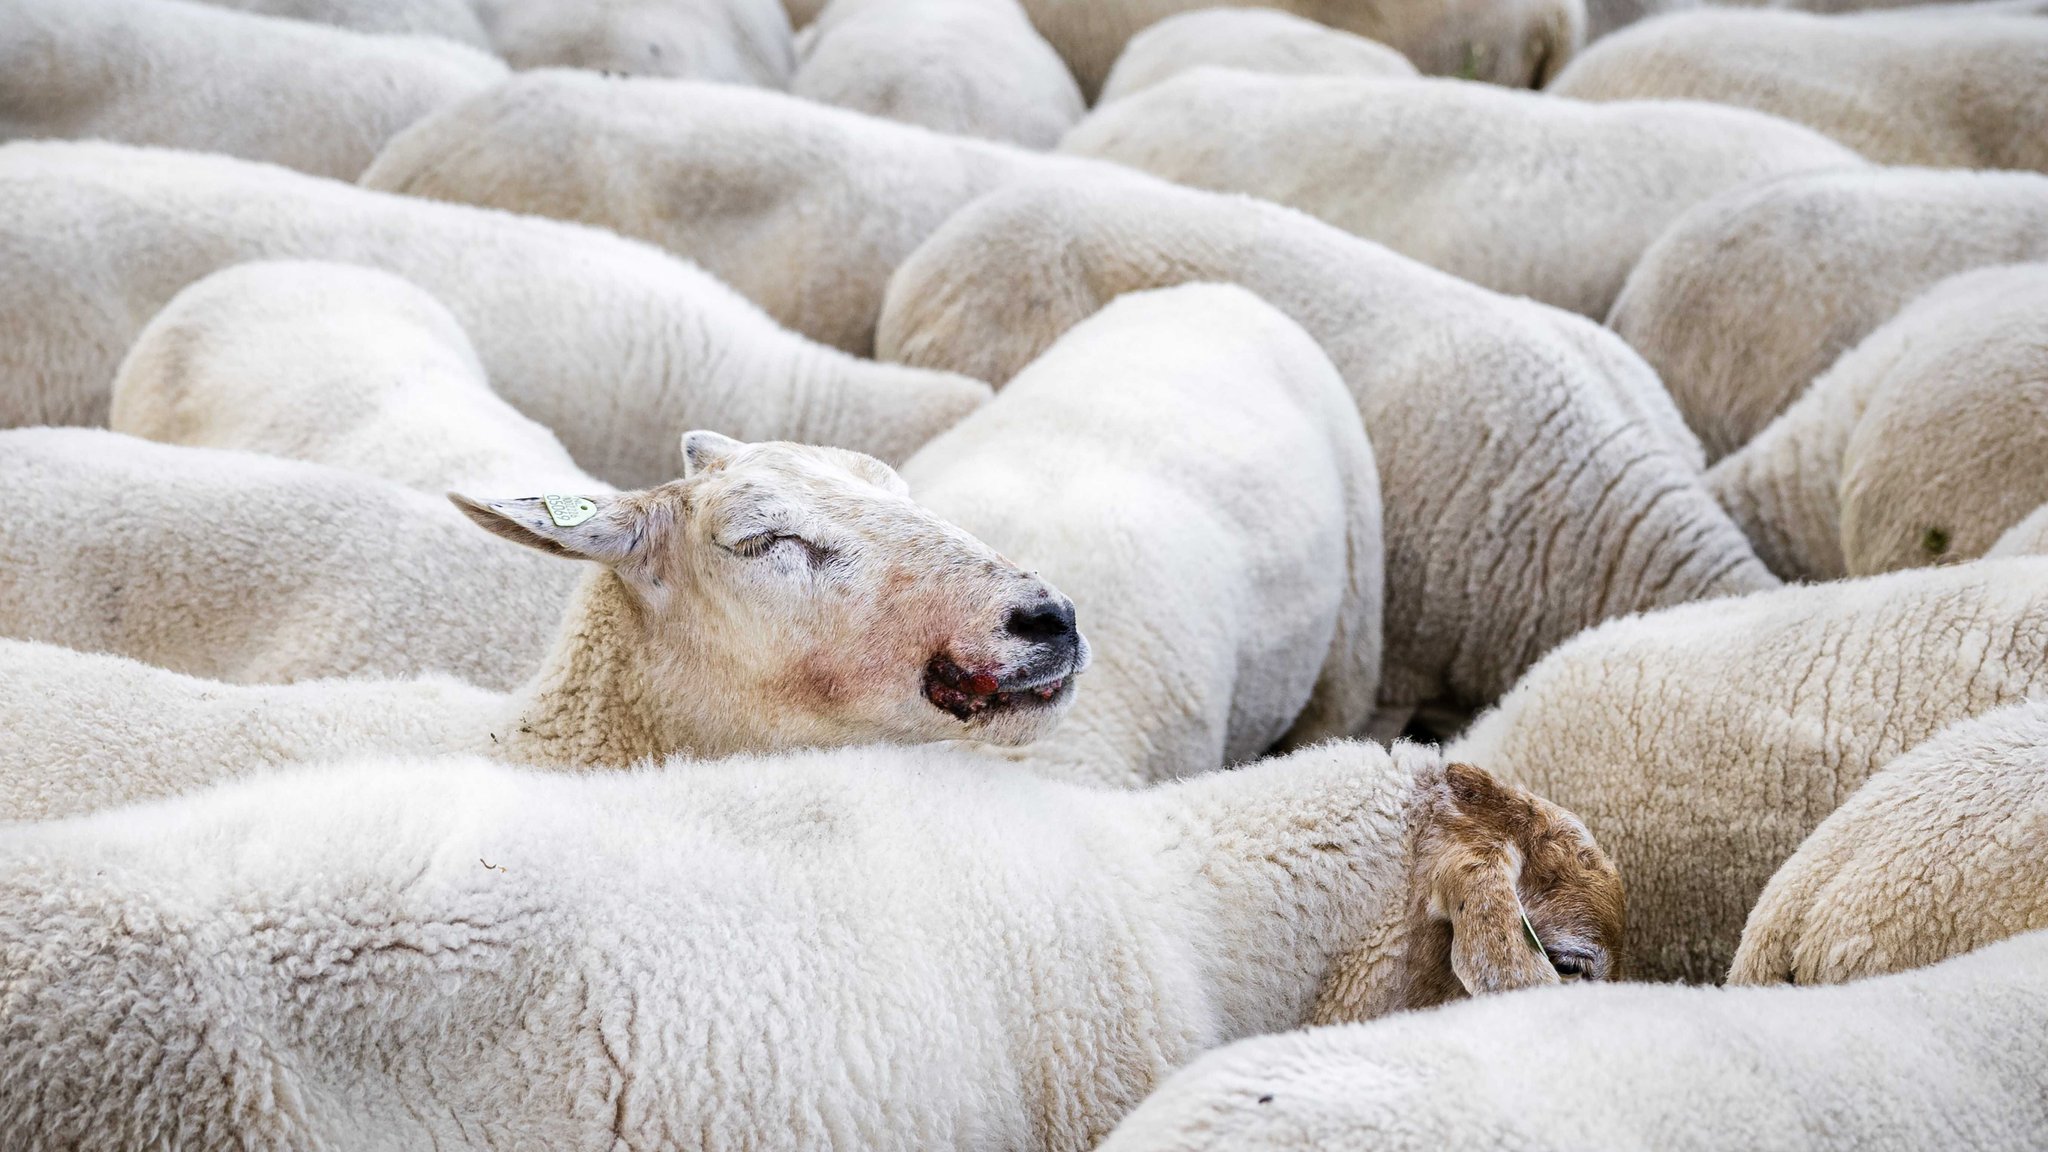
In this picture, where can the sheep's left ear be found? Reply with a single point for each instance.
(1472, 885)
(611, 529)
(702, 449)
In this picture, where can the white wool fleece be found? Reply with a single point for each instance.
(1519, 43)
(1960, 93)
(1226, 563)
(615, 346)
(1250, 39)
(1946, 1057)
(449, 19)
(1921, 445)
(1420, 165)
(333, 364)
(1748, 297)
(1536, 479)
(876, 948)
(966, 67)
(181, 75)
(250, 569)
(804, 208)
(1940, 853)
(1702, 744)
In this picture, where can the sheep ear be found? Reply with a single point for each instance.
(703, 449)
(607, 529)
(1493, 946)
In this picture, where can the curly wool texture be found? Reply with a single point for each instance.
(449, 19)
(618, 348)
(1261, 40)
(1519, 43)
(1947, 1057)
(964, 67)
(1536, 479)
(1419, 165)
(729, 41)
(181, 75)
(250, 569)
(333, 364)
(804, 209)
(872, 947)
(1961, 93)
(1939, 854)
(1748, 298)
(1228, 563)
(1702, 744)
(1922, 444)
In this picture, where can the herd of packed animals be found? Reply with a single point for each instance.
(1339, 575)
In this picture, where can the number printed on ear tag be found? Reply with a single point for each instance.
(568, 511)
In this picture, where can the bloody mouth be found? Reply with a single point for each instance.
(967, 695)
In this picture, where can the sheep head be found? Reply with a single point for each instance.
(784, 595)
(1509, 891)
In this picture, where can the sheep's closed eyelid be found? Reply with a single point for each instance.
(758, 544)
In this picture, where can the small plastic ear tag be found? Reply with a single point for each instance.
(568, 511)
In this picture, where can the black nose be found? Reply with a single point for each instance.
(1047, 622)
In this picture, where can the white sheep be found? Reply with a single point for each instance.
(732, 41)
(1948, 1057)
(776, 596)
(1964, 93)
(335, 364)
(1747, 298)
(968, 67)
(735, 41)
(1419, 165)
(1228, 560)
(1940, 853)
(2029, 537)
(873, 948)
(1703, 743)
(1536, 479)
(1253, 39)
(616, 347)
(1922, 444)
(803, 208)
(251, 569)
(1604, 16)
(166, 72)
(449, 19)
(1519, 43)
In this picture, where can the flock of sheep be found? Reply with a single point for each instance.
(697, 594)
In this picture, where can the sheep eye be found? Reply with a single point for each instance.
(753, 546)
(1569, 967)
(759, 544)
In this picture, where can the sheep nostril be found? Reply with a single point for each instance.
(1045, 622)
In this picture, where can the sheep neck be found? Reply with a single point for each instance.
(589, 706)
(1310, 884)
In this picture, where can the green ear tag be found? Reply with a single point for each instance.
(1529, 932)
(568, 511)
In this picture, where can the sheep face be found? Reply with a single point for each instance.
(1510, 892)
(794, 596)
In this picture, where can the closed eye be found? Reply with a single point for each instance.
(761, 543)
(1571, 966)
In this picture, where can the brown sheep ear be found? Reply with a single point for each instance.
(1475, 863)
